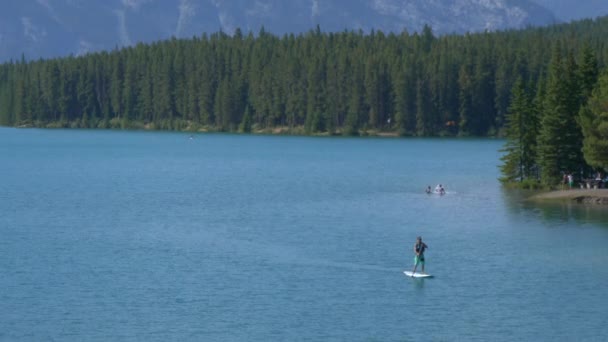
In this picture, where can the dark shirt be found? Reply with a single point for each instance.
(420, 247)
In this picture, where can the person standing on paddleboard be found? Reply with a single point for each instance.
(419, 248)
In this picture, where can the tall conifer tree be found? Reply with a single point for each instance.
(594, 123)
(519, 162)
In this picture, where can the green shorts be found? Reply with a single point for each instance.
(419, 259)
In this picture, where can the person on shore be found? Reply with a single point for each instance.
(570, 181)
(419, 248)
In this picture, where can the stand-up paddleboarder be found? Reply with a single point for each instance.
(419, 248)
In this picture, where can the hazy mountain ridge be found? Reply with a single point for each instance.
(45, 28)
(567, 10)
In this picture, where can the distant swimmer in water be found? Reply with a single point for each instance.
(428, 189)
(191, 137)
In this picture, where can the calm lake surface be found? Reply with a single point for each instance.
(157, 237)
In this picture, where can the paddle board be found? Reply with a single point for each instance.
(417, 274)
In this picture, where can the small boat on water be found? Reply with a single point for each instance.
(439, 190)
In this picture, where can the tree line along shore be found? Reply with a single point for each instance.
(537, 87)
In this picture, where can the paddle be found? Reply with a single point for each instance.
(414, 271)
(415, 265)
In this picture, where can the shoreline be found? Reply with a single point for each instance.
(583, 196)
(275, 130)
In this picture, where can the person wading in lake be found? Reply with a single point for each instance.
(419, 248)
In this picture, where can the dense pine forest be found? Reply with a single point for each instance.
(333, 83)
(558, 127)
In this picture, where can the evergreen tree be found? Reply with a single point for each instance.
(64, 103)
(245, 126)
(402, 110)
(503, 89)
(6, 95)
(355, 106)
(116, 85)
(85, 97)
(560, 136)
(572, 142)
(295, 104)
(145, 100)
(129, 95)
(588, 72)
(223, 105)
(594, 123)
(482, 97)
(466, 103)
(554, 113)
(315, 109)
(425, 116)
(519, 161)
(19, 108)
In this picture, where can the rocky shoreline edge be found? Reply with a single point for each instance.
(582, 196)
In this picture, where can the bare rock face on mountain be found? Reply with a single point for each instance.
(47, 28)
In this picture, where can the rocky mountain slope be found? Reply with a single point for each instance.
(46, 28)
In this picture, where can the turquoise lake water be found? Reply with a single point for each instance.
(157, 237)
